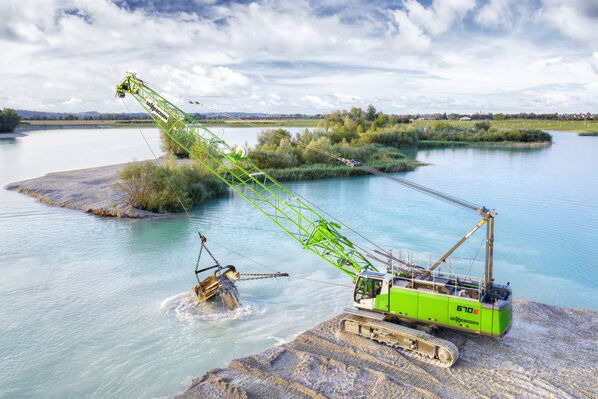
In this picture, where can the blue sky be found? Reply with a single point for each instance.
(403, 56)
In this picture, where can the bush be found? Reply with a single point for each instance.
(273, 159)
(392, 136)
(272, 137)
(463, 134)
(9, 120)
(482, 125)
(168, 187)
(171, 147)
(312, 152)
(442, 126)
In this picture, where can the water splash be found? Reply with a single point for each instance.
(185, 308)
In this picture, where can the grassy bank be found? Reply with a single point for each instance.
(542, 124)
(262, 123)
(322, 171)
(592, 133)
(577, 126)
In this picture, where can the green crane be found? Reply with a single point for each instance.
(387, 304)
(288, 211)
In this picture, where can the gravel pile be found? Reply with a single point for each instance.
(549, 353)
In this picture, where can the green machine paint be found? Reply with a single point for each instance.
(396, 307)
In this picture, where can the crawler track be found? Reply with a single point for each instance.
(414, 343)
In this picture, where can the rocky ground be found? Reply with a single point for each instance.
(90, 190)
(549, 353)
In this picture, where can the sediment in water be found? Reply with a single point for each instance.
(550, 352)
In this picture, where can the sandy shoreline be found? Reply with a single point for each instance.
(89, 190)
(549, 353)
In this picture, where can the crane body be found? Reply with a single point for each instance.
(404, 293)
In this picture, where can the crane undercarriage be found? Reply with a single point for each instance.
(410, 341)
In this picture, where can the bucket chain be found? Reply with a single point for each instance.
(260, 276)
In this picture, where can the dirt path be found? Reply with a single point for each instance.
(549, 353)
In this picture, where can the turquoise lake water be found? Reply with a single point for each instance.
(95, 307)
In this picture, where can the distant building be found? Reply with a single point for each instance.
(465, 118)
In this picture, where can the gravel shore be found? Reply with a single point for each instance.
(90, 190)
(549, 353)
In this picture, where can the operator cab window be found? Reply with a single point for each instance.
(367, 288)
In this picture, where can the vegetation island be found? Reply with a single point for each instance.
(371, 137)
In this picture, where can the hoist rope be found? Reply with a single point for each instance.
(203, 238)
(269, 268)
(232, 117)
(418, 187)
(326, 153)
(422, 189)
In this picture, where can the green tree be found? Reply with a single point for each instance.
(370, 115)
(312, 155)
(9, 120)
(272, 137)
(381, 120)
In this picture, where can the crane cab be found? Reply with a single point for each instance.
(369, 286)
(436, 301)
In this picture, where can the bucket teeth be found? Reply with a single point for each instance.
(218, 286)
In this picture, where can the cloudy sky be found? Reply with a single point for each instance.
(287, 56)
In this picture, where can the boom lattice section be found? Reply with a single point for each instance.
(231, 165)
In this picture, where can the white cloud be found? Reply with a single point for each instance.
(410, 36)
(416, 23)
(577, 19)
(286, 56)
(496, 13)
(347, 98)
(317, 102)
(440, 16)
(72, 101)
(594, 62)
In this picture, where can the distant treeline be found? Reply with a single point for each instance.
(98, 117)
(370, 111)
(127, 117)
(522, 115)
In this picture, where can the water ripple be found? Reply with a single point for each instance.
(185, 308)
